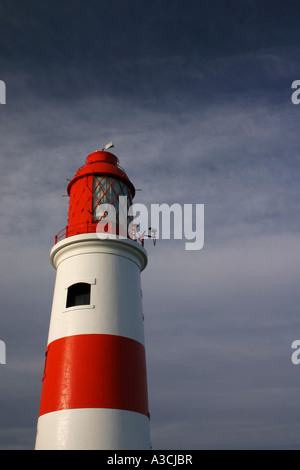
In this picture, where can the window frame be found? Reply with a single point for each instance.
(91, 282)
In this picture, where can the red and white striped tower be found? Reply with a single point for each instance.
(94, 391)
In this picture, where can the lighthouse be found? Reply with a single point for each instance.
(94, 386)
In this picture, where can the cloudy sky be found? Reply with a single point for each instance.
(197, 97)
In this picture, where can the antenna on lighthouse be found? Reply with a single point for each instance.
(151, 234)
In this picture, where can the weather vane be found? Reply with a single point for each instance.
(108, 146)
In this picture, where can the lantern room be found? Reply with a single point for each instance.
(100, 195)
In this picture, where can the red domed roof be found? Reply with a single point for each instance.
(102, 162)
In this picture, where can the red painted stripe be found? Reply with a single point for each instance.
(95, 371)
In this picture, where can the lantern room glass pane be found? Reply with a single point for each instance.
(106, 190)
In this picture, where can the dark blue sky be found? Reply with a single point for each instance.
(197, 97)
(150, 50)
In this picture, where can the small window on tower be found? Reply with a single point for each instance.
(79, 294)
